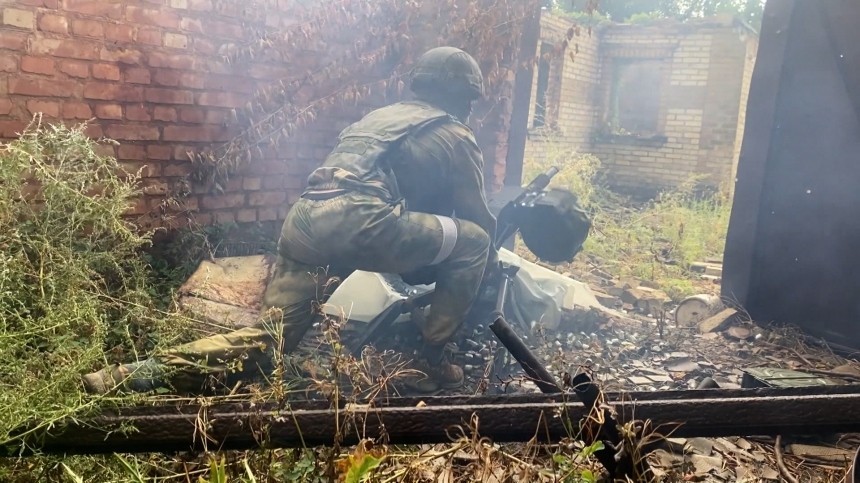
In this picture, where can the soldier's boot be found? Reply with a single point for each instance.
(438, 371)
(144, 376)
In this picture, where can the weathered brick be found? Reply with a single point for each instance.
(119, 32)
(266, 198)
(53, 23)
(149, 36)
(137, 112)
(11, 129)
(223, 217)
(203, 134)
(175, 169)
(137, 75)
(246, 215)
(173, 61)
(8, 62)
(106, 72)
(205, 46)
(131, 151)
(191, 80)
(169, 96)
(77, 110)
(41, 87)
(15, 17)
(127, 132)
(164, 113)
(193, 25)
(251, 184)
(122, 55)
(155, 151)
(75, 69)
(75, 49)
(48, 108)
(113, 92)
(217, 116)
(96, 8)
(192, 114)
(167, 77)
(152, 16)
(38, 65)
(231, 200)
(267, 214)
(88, 28)
(203, 5)
(108, 111)
(175, 41)
(155, 187)
(13, 40)
(5, 106)
(221, 99)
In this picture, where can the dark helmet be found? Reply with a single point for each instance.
(447, 70)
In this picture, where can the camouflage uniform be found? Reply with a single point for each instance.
(383, 201)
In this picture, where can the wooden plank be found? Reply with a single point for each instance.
(518, 132)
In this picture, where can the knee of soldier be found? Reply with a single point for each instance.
(472, 239)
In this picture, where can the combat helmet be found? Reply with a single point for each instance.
(447, 71)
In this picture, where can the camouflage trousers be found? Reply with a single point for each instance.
(323, 241)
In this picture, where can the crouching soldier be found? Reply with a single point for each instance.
(383, 201)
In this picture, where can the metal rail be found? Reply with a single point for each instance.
(547, 417)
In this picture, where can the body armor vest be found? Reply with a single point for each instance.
(359, 160)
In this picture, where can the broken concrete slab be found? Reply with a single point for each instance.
(238, 281)
(718, 322)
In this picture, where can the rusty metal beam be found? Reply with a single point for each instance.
(823, 410)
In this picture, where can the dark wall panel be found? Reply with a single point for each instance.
(793, 251)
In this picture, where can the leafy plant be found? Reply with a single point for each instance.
(74, 292)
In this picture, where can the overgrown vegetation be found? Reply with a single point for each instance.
(657, 240)
(74, 290)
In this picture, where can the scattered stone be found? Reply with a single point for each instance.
(705, 465)
(739, 333)
(702, 446)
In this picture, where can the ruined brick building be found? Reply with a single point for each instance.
(152, 76)
(656, 102)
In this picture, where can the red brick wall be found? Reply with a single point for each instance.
(152, 74)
